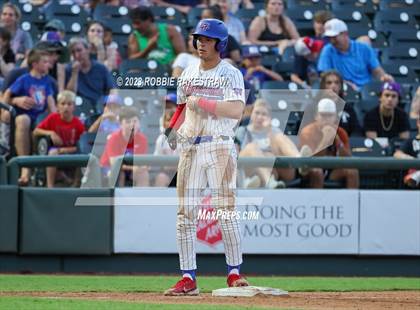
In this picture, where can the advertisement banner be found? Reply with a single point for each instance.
(272, 222)
(390, 222)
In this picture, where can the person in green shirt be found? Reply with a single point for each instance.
(152, 40)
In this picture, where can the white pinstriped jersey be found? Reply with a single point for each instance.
(224, 83)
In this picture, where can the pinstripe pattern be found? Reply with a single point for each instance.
(211, 163)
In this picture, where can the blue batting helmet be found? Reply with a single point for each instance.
(212, 28)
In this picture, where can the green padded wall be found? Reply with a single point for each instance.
(8, 218)
(51, 224)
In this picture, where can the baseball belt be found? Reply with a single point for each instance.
(203, 139)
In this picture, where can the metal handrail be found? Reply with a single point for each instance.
(370, 163)
(71, 160)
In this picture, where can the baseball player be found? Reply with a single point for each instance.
(211, 98)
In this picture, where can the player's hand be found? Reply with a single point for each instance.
(56, 140)
(24, 102)
(171, 137)
(192, 102)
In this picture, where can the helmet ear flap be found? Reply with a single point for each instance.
(194, 42)
(221, 45)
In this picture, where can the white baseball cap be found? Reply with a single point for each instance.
(334, 27)
(326, 106)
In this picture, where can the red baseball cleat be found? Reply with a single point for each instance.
(236, 280)
(183, 287)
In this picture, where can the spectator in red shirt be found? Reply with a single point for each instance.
(63, 128)
(324, 137)
(130, 141)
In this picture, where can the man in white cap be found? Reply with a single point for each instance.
(324, 137)
(356, 61)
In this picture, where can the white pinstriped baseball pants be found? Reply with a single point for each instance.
(212, 163)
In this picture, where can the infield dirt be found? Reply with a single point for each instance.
(406, 300)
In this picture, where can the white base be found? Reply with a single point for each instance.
(248, 291)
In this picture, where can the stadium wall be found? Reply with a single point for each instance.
(42, 231)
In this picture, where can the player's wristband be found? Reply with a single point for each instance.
(207, 105)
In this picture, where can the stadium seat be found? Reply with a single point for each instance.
(361, 107)
(194, 15)
(288, 55)
(377, 38)
(394, 145)
(31, 14)
(395, 20)
(367, 7)
(88, 140)
(247, 15)
(84, 108)
(366, 147)
(269, 60)
(313, 4)
(402, 56)
(353, 17)
(401, 73)
(56, 10)
(409, 37)
(371, 90)
(119, 26)
(284, 69)
(387, 5)
(140, 64)
(168, 13)
(350, 95)
(413, 126)
(103, 12)
(73, 25)
(303, 19)
(293, 123)
(281, 85)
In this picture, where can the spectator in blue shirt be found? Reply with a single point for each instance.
(355, 61)
(31, 95)
(85, 77)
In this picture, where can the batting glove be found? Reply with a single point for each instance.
(171, 137)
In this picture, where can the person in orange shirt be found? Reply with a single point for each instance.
(323, 137)
(129, 141)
